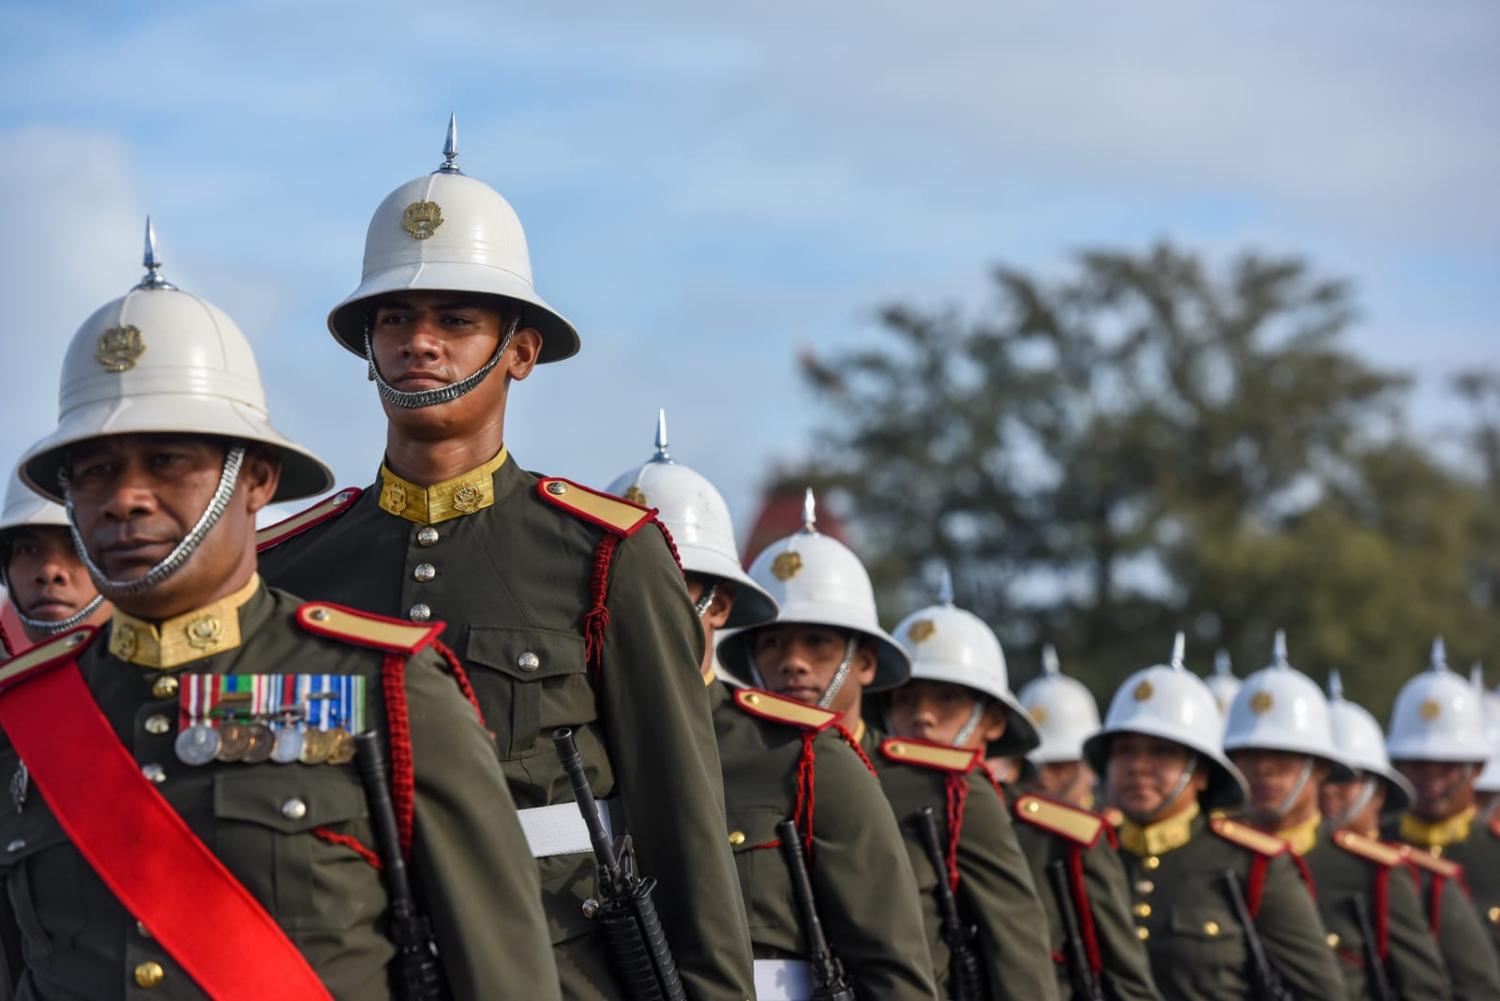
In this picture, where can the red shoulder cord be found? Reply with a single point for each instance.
(596, 619)
(460, 676)
(849, 739)
(802, 814)
(1306, 874)
(958, 798)
(1256, 883)
(1436, 905)
(1382, 907)
(398, 719)
(348, 841)
(1084, 909)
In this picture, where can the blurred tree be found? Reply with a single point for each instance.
(1148, 445)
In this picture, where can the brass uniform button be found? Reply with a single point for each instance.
(736, 838)
(1151, 863)
(419, 612)
(294, 809)
(427, 536)
(1333, 940)
(1437, 851)
(1142, 910)
(149, 974)
(1145, 887)
(424, 572)
(753, 699)
(557, 488)
(157, 725)
(1495, 915)
(1143, 933)
(164, 687)
(1211, 929)
(528, 662)
(1033, 807)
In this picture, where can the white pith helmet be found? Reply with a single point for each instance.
(1064, 712)
(948, 643)
(444, 232)
(818, 581)
(1438, 716)
(1489, 779)
(696, 515)
(1222, 682)
(24, 507)
(1279, 708)
(1169, 702)
(158, 359)
(1359, 739)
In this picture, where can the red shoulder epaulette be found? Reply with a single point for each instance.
(1063, 819)
(324, 618)
(615, 515)
(778, 709)
(925, 754)
(45, 656)
(1258, 842)
(324, 510)
(1368, 848)
(1431, 863)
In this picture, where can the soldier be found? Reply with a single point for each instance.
(1437, 741)
(1065, 715)
(827, 649)
(1222, 682)
(566, 605)
(1487, 786)
(185, 813)
(959, 696)
(781, 759)
(1159, 752)
(1280, 736)
(47, 585)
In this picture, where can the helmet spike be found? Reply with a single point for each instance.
(1179, 651)
(1439, 654)
(945, 587)
(661, 436)
(152, 263)
(450, 147)
(1223, 666)
(1278, 650)
(809, 511)
(1335, 684)
(1476, 675)
(1050, 665)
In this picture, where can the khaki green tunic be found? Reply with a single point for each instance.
(995, 888)
(1414, 968)
(1198, 948)
(1479, 854)
(1125, 968)
(865, 891)
(79, 942)
(513, 579)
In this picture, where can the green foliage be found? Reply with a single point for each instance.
(1148, 445)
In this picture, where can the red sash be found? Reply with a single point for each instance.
(139, 846)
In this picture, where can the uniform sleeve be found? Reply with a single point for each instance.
(1416, 966)
(666, 765)
(483, 896)
(1295, 940)
(1127, 966)
(995, 884)
(863, 882)
(1465, 947)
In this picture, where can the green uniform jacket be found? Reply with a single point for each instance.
(1414, 969)
(79, 942)
(513, 580)
(862, 881)
(1197, 947)
(1479, 854)
(1125, 969)
(995, 890)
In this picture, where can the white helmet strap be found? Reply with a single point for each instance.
(424, 398)
(171, 563)
(1303, 777)
(1176, 790)
(1367, 785)
(976, 716)
(841, 674)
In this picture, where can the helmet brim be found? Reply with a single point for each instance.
(753, 604)
(892, 666)
(1226, 789)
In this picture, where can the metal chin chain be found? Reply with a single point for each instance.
(1366, 793)
(976, 716)
(707, 598)
(443, 394)
(1303, 777)
(1176, 790)
(180, 554)
(45, 628)
(840, 675)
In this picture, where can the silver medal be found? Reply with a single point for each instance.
(198, 744)
(288, 746)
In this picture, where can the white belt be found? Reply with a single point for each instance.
(559, 829)
(783, 980)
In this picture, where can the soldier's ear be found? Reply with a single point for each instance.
(520, 358)
(260, 474)
(864, 664)
(721, 606)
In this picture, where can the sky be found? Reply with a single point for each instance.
(708, 188)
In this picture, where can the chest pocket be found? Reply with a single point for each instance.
(36, 856)
(264, 817)
(1211, 946)
(529, 682)
(764, 882)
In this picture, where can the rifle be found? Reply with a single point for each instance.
(1080, 973)
(829, 982)
(965, 976)
(1265, 983)
(637, 944)
(1379, 981)
(415, 973)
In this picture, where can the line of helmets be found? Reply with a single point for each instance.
(159, 359)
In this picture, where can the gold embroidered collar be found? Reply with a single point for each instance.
(859, 732)
(182, 638)
(1438, 833)
(1160, 837)
(1302, 836)
(464, 494)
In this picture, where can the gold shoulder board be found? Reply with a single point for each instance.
(940, 757)
(39, 658)
(1063, 819)
(290, 528)
(364, 629)
(1247, 837)
(611, 513)
(782, 710)
(1431, 863)
(1368, 848)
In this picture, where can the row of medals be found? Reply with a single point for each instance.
(254, 742)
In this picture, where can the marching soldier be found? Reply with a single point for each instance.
(1065, 715)
(1437, 742)
(959, 696)
(1210, 895)
(185, 813)
(565, 605)
(781, 760)
(47, 585)
(827, 649)
(1280, 736)
(1487, 785)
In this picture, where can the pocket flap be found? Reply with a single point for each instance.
(1205, 925)
(525, 654)
(753, 827)
(290, 798)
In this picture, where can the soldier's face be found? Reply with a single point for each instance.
(1070, 781)
(1143, 771)
(1336, 799)
(799, 662)
(1443, 788)
(1274, 777)
(713, 617)
(937, 711)
(48, 581)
